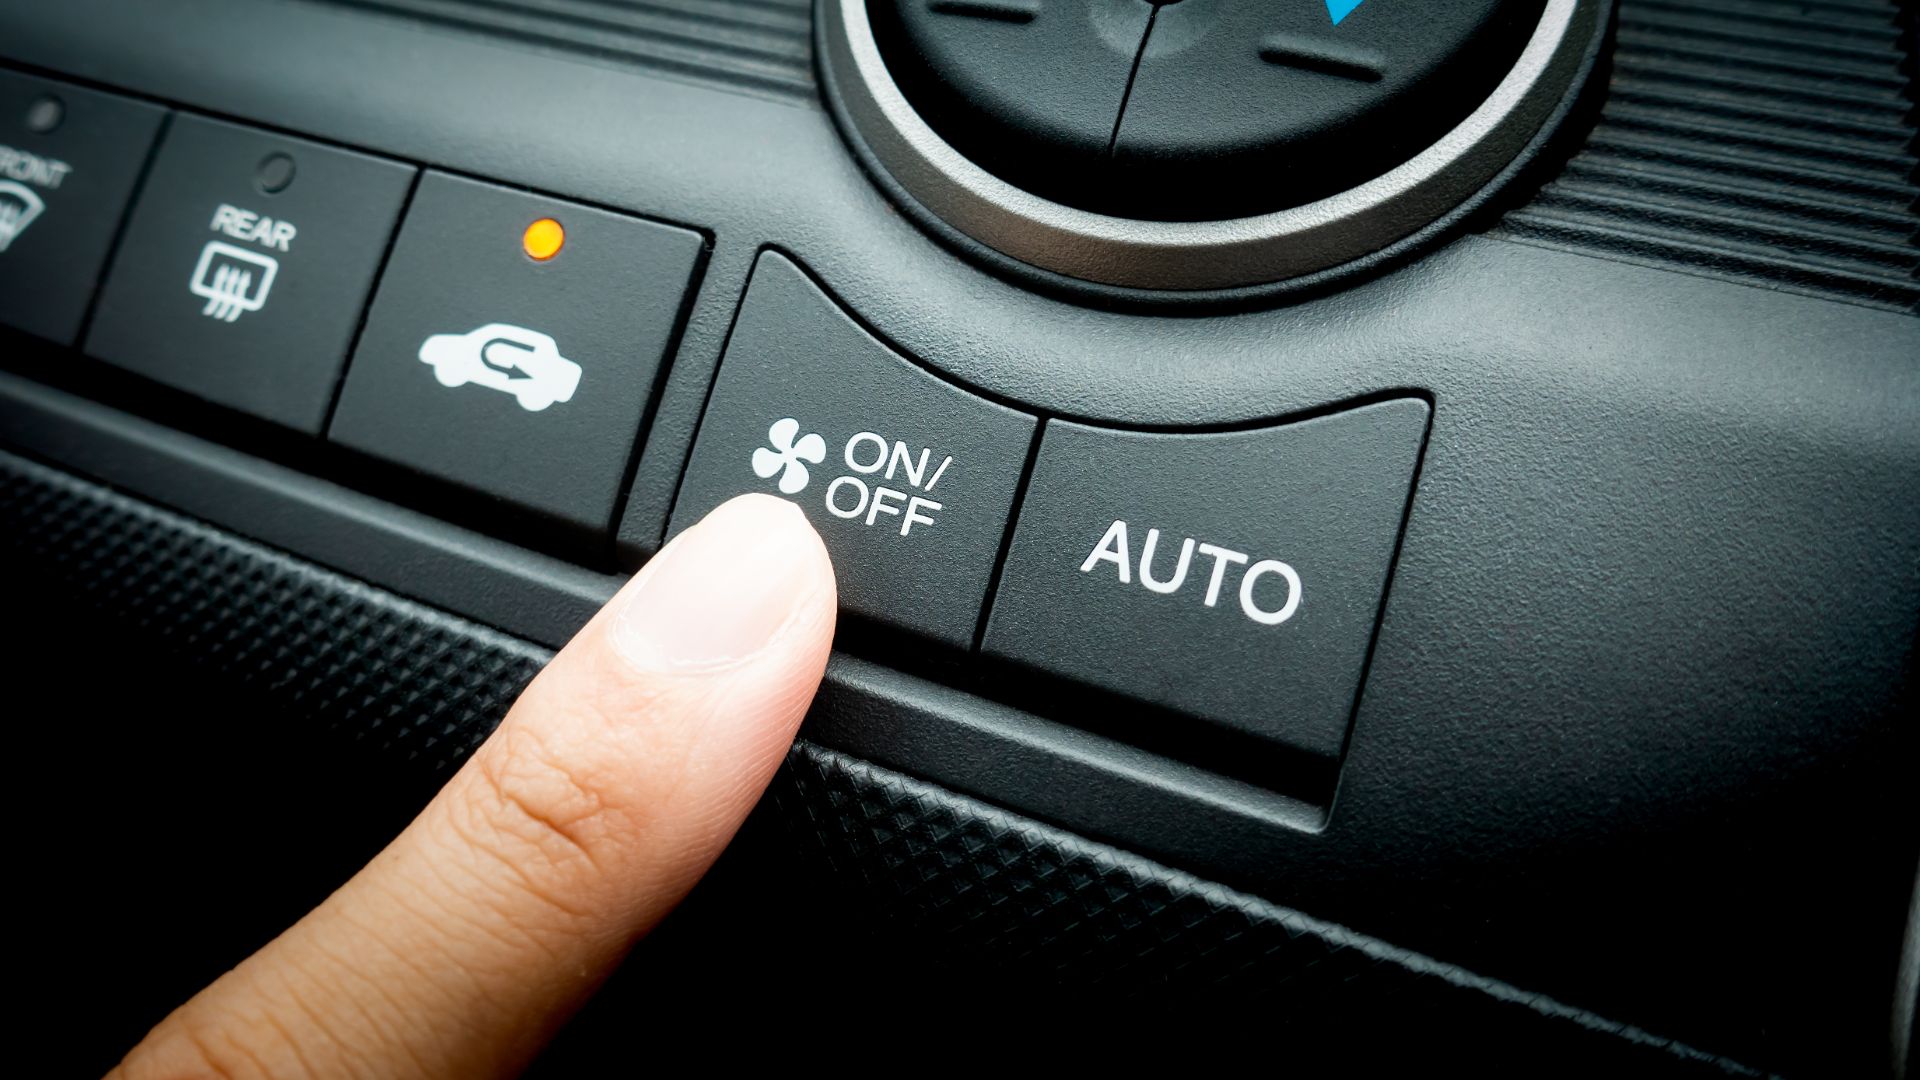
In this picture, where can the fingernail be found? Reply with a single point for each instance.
(723, 590)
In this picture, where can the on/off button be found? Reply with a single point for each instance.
(909, 479)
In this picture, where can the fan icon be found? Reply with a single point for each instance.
(790, 451)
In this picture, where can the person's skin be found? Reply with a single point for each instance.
(613, 784)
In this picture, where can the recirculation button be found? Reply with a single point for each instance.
(512, 347)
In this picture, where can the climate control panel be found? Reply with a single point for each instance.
(1212, 591)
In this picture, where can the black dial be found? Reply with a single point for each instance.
(1200, 109)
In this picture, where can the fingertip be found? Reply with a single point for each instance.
(616, 780)
(750, 574)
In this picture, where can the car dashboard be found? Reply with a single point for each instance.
(1403, 515)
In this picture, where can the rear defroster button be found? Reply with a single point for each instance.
(241, 292)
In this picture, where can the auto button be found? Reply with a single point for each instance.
(1232, 577)
(909, 479)
(513, 344)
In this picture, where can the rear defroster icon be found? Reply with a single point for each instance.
(232, 280)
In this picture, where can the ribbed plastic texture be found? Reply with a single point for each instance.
(757, 45)
(981, 894)
(1767, 141)
(1772, 141)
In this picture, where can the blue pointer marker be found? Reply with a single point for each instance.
(1340, 9)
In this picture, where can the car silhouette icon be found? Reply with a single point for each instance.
(522, 362)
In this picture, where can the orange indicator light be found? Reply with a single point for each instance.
(542, 239)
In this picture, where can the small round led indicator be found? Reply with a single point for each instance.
(45, 114)
(542, 239)
(274, 174)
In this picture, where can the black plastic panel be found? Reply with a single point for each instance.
(1751, 140)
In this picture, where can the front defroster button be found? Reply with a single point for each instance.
(68, 161)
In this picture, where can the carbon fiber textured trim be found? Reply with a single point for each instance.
(1761, 140)
(335, 654)
(991, 890)
(756, 45)
(974, 894)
